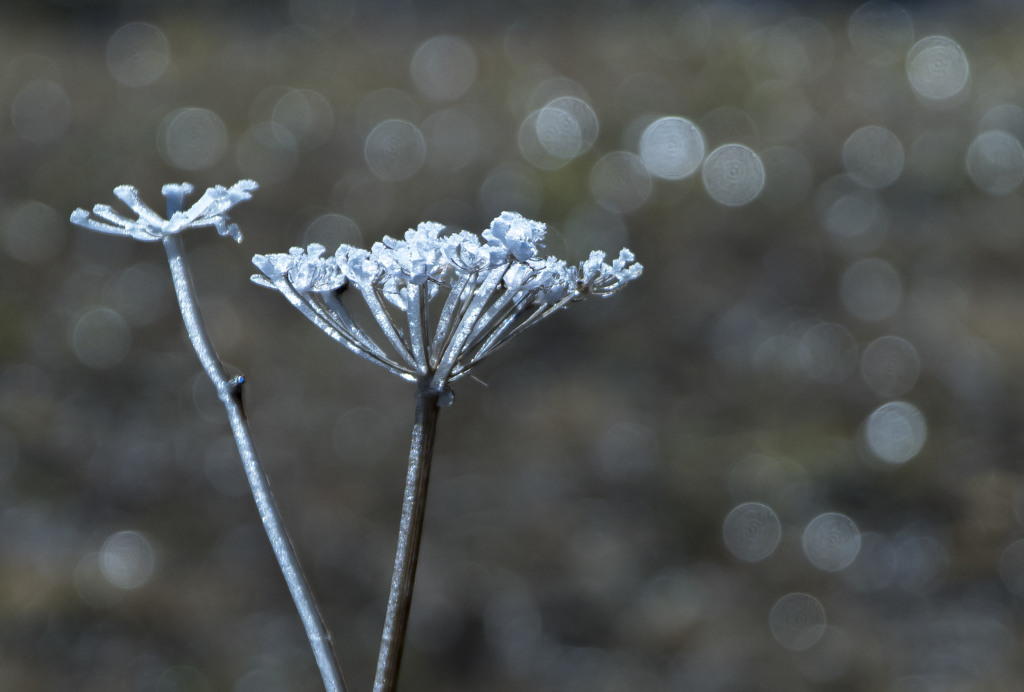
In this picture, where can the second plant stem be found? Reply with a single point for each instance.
(229, 392)
(411, 529)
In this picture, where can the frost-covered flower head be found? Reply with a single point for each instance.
(210, 210)
(493, 288)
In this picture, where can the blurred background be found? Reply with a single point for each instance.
(789, 457)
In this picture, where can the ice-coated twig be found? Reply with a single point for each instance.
(496, 288)
(210, 211)
(414, 503)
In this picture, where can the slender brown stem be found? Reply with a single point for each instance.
(413, 506)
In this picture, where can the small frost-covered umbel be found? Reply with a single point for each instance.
(495, 288)
(209, 210)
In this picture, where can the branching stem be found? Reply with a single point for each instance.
(415, 501)
(230, 393)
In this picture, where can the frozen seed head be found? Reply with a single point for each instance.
(210, 210)
(797, 621)
(752, 531)
(493, 286)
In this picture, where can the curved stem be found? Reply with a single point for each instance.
(230, 393)
(413, 505)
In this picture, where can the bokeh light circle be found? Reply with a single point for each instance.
(831, 541)
(873, 156)
(890, 366)
(584, 116)
(752, 531)
(827, 353)
(1011, 567)
(995, 162)
(127, 560)
(395, 150)
(41, 111)
(193, 138)
(33, 232)
(857, 223)
(733, 175)
(558, 132)
(619, 182)
(937, 68)
(306, 115)
(896, 432)
(797, 621)
(880, 32)
(672, 148)
(100, 338)
(332, 230)
(444, 68)
(871, 289)
(138, 54)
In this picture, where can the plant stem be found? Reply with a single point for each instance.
(230, 393)
(415, 501)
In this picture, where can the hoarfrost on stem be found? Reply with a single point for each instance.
(496, 286)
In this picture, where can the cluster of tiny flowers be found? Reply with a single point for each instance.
(495, 287)
(209, 210)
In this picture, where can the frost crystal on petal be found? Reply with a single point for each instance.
(493, 288)
(520, 236)
(209, 210)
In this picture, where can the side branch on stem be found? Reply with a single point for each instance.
(229, 391)
(411, 529)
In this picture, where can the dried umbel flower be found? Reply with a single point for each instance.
(493, 288)
(209, 210)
